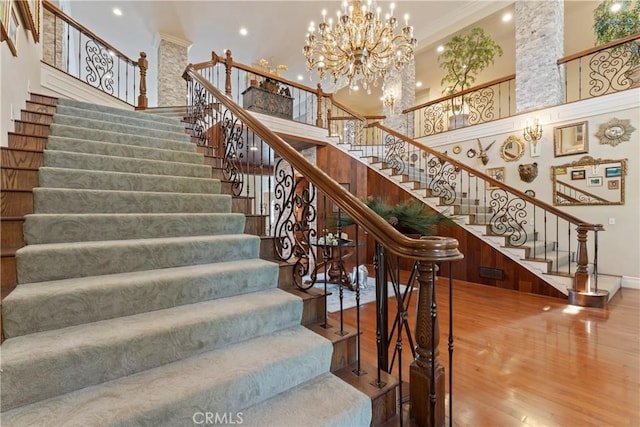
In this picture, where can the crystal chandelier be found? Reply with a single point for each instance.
(359, 45)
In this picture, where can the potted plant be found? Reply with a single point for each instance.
(463, 58)
(613, 20)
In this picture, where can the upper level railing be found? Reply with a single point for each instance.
(72, 48)
(491, 101)
(602, 70)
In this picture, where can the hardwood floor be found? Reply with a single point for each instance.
(527, 360)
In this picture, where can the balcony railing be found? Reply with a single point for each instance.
(601, 70)
(70, 47)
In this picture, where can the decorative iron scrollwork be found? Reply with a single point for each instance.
(294, 212)
(395, 153)
(434, 119)
(233, 132)
(608, 71)
(509, 217)
(198, 114)
(442, 181)
(481, 106)
(99, 67)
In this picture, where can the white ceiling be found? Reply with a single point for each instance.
(276, 31)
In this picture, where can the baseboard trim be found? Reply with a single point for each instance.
(630, 282)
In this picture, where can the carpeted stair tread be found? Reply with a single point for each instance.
(54, 261)
(63, 159)
(122, 150)
(64, 200)
(118, 111)
(224, 380)
(292, 408)
(59, 228)
(120, 138)
(42, 306)
(67, 110)
(54, 177)
(81, 122)
(79, 356)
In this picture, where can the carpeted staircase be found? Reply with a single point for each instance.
(140, 300)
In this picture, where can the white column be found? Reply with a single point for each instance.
(539, 44)
(172, 59)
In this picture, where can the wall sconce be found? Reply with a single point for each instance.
(388, 101)
(532, 133)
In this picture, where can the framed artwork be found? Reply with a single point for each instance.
(613, 172)
(570, 139)
(3, 22)
(30, 11)
(497, 174)
(578, 174)
(561, 170)
(613, 184)
(594, 181)
(10, 23)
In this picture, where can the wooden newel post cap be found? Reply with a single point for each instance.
(441, 249)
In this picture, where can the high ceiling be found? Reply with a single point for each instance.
(276, 31)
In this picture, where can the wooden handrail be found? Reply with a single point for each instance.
(430, 249)
(598, 48)
(478, 173)
(53, 9)
(461, 93)
(346, 109)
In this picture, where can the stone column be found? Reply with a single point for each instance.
(402, 84)
(53, 40)
(172, 59)
(539, 44)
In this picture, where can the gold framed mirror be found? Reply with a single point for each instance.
(512, 149)
(570, 139)
(589, 182)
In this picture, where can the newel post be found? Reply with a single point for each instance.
(319, 95)
(143, 64)
(426, 385)
(227, 67)
(584, 293)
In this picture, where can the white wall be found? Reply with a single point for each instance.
(619, 244)
(18, 75)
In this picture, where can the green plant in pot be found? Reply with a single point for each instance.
(463, 58)
(408, 217)
(613, 20)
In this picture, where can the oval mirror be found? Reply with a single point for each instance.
(512, 149)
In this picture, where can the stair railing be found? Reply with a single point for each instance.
(72, 48)
(601, 70)
(250, 148)
(541, 231)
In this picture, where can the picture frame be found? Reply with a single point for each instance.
(613, 172)
(578, 174)
(11, 25)
(570, 139)
(496, 173)
(30, 11)
(594, 181)
(3, 28)
(561, 170)
(614, 184)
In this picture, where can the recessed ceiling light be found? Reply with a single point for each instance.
(243, 31)
(440, 48)
(418, 84)
(300, 77)
(615, 7)
(117, 11)
(507, 17)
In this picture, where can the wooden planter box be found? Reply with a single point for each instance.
(261, 101)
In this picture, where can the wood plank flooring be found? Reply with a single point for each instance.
(527, 360)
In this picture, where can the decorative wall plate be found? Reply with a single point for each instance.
(457, 149)
(530, 193)
(471, 153)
